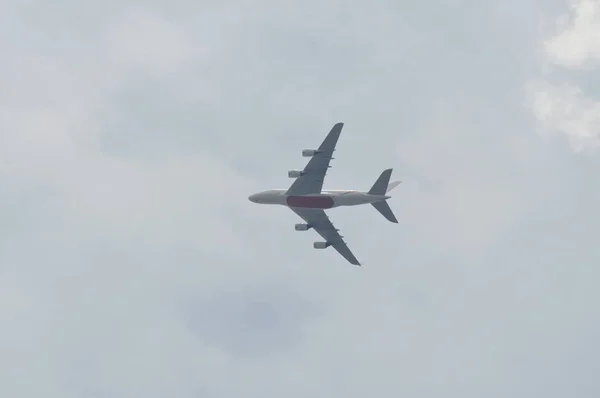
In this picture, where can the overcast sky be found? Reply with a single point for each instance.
(133, 265)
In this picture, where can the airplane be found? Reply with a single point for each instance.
(307, 199)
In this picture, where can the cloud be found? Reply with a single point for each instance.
(564, 106)
(566, 109)
(577, 45)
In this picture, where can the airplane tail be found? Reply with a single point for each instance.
(385, 210)
(381, 187)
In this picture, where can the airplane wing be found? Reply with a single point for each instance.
(314, 172)
(321, 223)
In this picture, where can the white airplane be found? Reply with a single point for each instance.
(307, 198)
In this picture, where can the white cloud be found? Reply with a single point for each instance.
(566, 109)
(578, 43)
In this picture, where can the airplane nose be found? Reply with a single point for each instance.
(252, 198)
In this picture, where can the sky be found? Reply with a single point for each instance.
(133, 265)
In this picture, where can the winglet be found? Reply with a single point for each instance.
(393, 185)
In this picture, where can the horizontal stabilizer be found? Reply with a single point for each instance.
(383, 208)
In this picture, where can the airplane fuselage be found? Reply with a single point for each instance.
(327, 199)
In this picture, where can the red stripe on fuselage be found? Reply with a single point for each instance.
(312, 202)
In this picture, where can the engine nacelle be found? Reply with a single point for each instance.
(303, 227)
(321, 245)
(295, 173)
(309, 152)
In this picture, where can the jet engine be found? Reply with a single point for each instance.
(295, 173)
(321, 245)
(309, 152)
(303, 227)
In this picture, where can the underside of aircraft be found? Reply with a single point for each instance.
(307, 199)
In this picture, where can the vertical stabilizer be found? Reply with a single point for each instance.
(381, 185)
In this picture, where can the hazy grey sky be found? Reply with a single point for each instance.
(133, 265)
